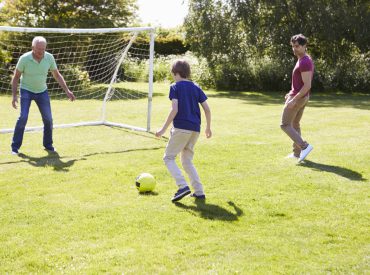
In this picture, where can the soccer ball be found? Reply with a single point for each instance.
(145, 182)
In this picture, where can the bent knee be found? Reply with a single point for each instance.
(284, 126)
(296, 125)
(167, 158)
(186, 162)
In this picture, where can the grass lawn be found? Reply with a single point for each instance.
(78, 211)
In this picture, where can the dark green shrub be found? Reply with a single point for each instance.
(351, 73)
(271, 75)
(76, 78)
(172, 45)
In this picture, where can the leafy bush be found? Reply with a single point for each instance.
(170, 42)
(170, 45)
(270, 75)
(6, 71)
(138, 69)
(77, 78)
(167, 41)
(350, 73)
(134, 69)
(162, 69)
(201, 72)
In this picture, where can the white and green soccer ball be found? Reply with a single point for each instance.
(145, 182)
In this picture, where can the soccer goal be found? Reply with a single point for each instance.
(110, 71)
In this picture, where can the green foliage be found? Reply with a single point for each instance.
(162, 69)
(5, 58)
(170, 42)
(74, 75)
(138, 68)
(347, 74)
(270, 75)
(170, 45)
(68, 14)
(167, 41)
(247, 33)
(200, 72)
(65, 14)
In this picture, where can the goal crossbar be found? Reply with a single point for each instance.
(64, 30)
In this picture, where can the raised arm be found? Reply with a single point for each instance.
(207, 112)
(59, 78)
(15, 81)
(170, 117)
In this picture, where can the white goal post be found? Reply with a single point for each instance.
(113, 66)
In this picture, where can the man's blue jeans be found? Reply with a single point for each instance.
(43, 102)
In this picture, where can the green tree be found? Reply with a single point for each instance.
(213, 33)
(64, 14)
(331, 25)
(68, 14)
(247, 41)
(170, 41)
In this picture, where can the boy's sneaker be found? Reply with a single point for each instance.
(181, 193)
(15, 152)
(198, 197)
(305, 152)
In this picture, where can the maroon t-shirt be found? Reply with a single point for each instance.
(303, 64)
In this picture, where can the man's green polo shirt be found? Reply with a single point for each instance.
(34, 74)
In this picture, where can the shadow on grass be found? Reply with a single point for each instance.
(212, 211)
(54, 160)
(149, 193)
(257, 98)
(329, 99)
(51, 160)
(118, 94)
(124, 151)
(343, 172)
(150, 134)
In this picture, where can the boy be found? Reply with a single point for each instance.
(186, 118)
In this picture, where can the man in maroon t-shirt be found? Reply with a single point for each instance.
(298, 97)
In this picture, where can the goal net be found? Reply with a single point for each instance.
(110, 71)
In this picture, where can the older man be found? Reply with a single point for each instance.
(32, 70)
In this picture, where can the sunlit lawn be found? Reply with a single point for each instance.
(78, 211)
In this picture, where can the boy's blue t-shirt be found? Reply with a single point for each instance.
(189, 95)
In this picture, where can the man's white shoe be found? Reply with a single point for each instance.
(305, 152)
(291, 156)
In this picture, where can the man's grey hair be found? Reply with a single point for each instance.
(38, 39)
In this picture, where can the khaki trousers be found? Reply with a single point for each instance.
(183, 141)
(290, 123)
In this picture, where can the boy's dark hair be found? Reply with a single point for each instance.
(300, 38)
(181, 67)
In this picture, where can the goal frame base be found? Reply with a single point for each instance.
(80, 124)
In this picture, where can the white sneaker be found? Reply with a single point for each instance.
(51, 150)
(291, 156)
(305, 152)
